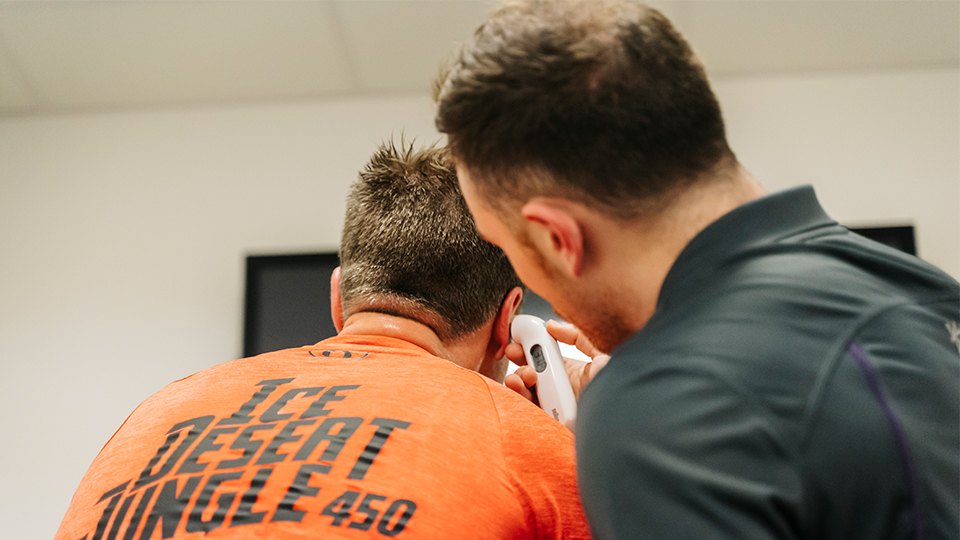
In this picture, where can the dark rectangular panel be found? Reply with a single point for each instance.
(901, 238)
(287, 301)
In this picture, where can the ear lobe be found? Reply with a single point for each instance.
(336, 308)
(500, 337)
(557, 232)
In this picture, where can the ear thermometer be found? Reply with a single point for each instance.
(543, 355)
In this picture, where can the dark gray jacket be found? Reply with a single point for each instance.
(796, 381)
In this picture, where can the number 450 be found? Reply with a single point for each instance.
(340, 508)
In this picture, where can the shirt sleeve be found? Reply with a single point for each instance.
(539, 453)
(677, 453)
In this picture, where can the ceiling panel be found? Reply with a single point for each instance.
(81, 54)
(401, 44)
(61, 56)
(743, 36)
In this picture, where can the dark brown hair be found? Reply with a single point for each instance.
(598, 101)
(410, 246)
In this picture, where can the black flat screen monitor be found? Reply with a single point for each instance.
(901, 238)
(287, 301)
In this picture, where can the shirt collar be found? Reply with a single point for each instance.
(763, 221)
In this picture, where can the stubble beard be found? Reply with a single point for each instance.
(597, 322)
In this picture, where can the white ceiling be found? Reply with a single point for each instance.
(102, 55)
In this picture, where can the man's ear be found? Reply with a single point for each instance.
(500, 337)
(556, 232)
(336, 309)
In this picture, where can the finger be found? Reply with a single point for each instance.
(515, 382)
(589, 371)
(571, 335)
(563, 332)
(598, 362)
(514, 353)
(528, 375)
(576, 370)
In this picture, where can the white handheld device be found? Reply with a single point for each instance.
(543, 355)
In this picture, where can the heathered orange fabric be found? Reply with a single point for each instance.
(355, 437)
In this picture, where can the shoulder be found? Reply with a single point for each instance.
(521, 419)
(539, 455)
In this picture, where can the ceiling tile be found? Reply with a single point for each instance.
(57, 56)
(743, 36)
(399, 45)
(142, 53)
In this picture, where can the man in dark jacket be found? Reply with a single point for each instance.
(772, 375)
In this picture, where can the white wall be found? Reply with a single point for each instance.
(122, 235)
(880, 148)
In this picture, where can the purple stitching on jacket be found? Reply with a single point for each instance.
(899, 436)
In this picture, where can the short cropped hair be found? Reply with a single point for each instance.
(410, 246)
(606, 98)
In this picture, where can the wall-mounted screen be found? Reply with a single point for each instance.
(901, 238)
(287, 301)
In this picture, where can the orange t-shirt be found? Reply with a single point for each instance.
(354, 437)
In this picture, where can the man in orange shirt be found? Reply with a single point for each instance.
(396, 427)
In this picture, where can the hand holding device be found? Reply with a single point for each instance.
(543, 355)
